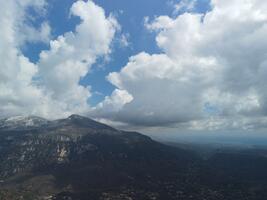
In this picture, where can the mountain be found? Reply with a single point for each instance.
(78, 158)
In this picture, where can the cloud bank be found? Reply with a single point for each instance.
(211, 73)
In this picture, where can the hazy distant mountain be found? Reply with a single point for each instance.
(79, 158)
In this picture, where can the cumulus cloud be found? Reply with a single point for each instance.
(114, 103)
(213, 66)
(50, 88)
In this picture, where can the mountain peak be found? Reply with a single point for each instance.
(78, 117)
(83, 121)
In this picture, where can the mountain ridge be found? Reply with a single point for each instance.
(77, 158)
(81, 154)
(31, 121)
(20, 122)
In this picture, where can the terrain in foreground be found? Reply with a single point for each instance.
(80, 159)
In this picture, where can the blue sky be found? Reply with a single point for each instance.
(130, 15)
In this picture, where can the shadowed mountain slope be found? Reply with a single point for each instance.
(80, 155)
(78, 158)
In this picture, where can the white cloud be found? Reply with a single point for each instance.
(124, 40)
(115, 102)
(185, 5)
(230, 123)
(217, 59)
(72, 54)
(51, 87)
(31, 34)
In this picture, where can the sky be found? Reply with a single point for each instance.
(194, 65)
